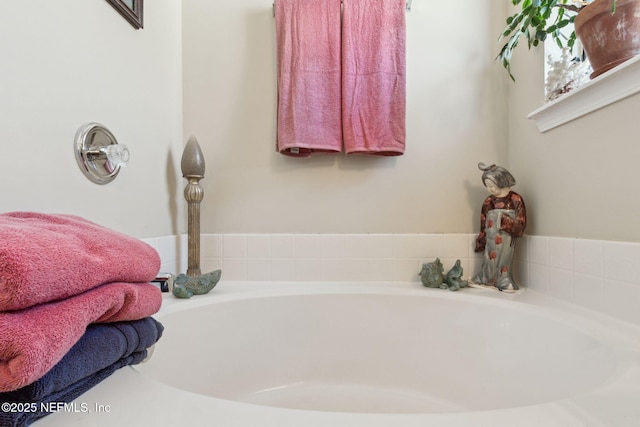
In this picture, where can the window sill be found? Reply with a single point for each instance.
(614, 85)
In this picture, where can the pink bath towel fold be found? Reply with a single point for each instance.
(309, 75)
(374, 76)
(48, 257)
(33, 340)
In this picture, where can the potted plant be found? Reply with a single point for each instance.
(609, 30)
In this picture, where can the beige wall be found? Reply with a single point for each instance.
(581, 179)
(64, 63)
(456, 117)
(63, 69)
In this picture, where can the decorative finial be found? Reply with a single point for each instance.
(194, 282)
(192, 162)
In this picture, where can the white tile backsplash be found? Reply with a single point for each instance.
(209, 264)
(588, 257)
(621, 262)
(258, 269)
(235, 268)
(538, 250)
(456, 246)
(307, 246)
(234, 246)
(380, 246)
(283, 246)
(431, 246)
(382, 269)
(259, 246)
(211, 245)
(599, 275)
(561, 253)
(283, 269)
(308, 269)
(406, 246)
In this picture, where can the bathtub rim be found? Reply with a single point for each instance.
(591, 322)
(509, 309)
(599, 407)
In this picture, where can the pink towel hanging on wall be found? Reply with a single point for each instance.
(309, 77)
(374, 76)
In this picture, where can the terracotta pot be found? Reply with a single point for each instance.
(608, 39)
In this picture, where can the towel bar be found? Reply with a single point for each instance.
(407, 7)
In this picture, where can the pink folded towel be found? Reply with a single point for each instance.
(374, 76)
(49, 257)
(33, 340)
(308, 54)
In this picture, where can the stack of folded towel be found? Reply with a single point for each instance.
(75, 305)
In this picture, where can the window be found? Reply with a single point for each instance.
(565, 69)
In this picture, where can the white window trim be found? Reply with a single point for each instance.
(612, 86)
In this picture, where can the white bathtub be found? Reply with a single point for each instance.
(262, 354)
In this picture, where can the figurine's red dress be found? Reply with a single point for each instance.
(502, 220)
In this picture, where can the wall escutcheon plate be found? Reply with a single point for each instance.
(90, 141)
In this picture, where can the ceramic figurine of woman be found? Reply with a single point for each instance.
(502, 220)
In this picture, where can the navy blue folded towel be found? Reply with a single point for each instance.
(103, 349)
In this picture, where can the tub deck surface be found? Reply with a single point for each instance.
(132, 397)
